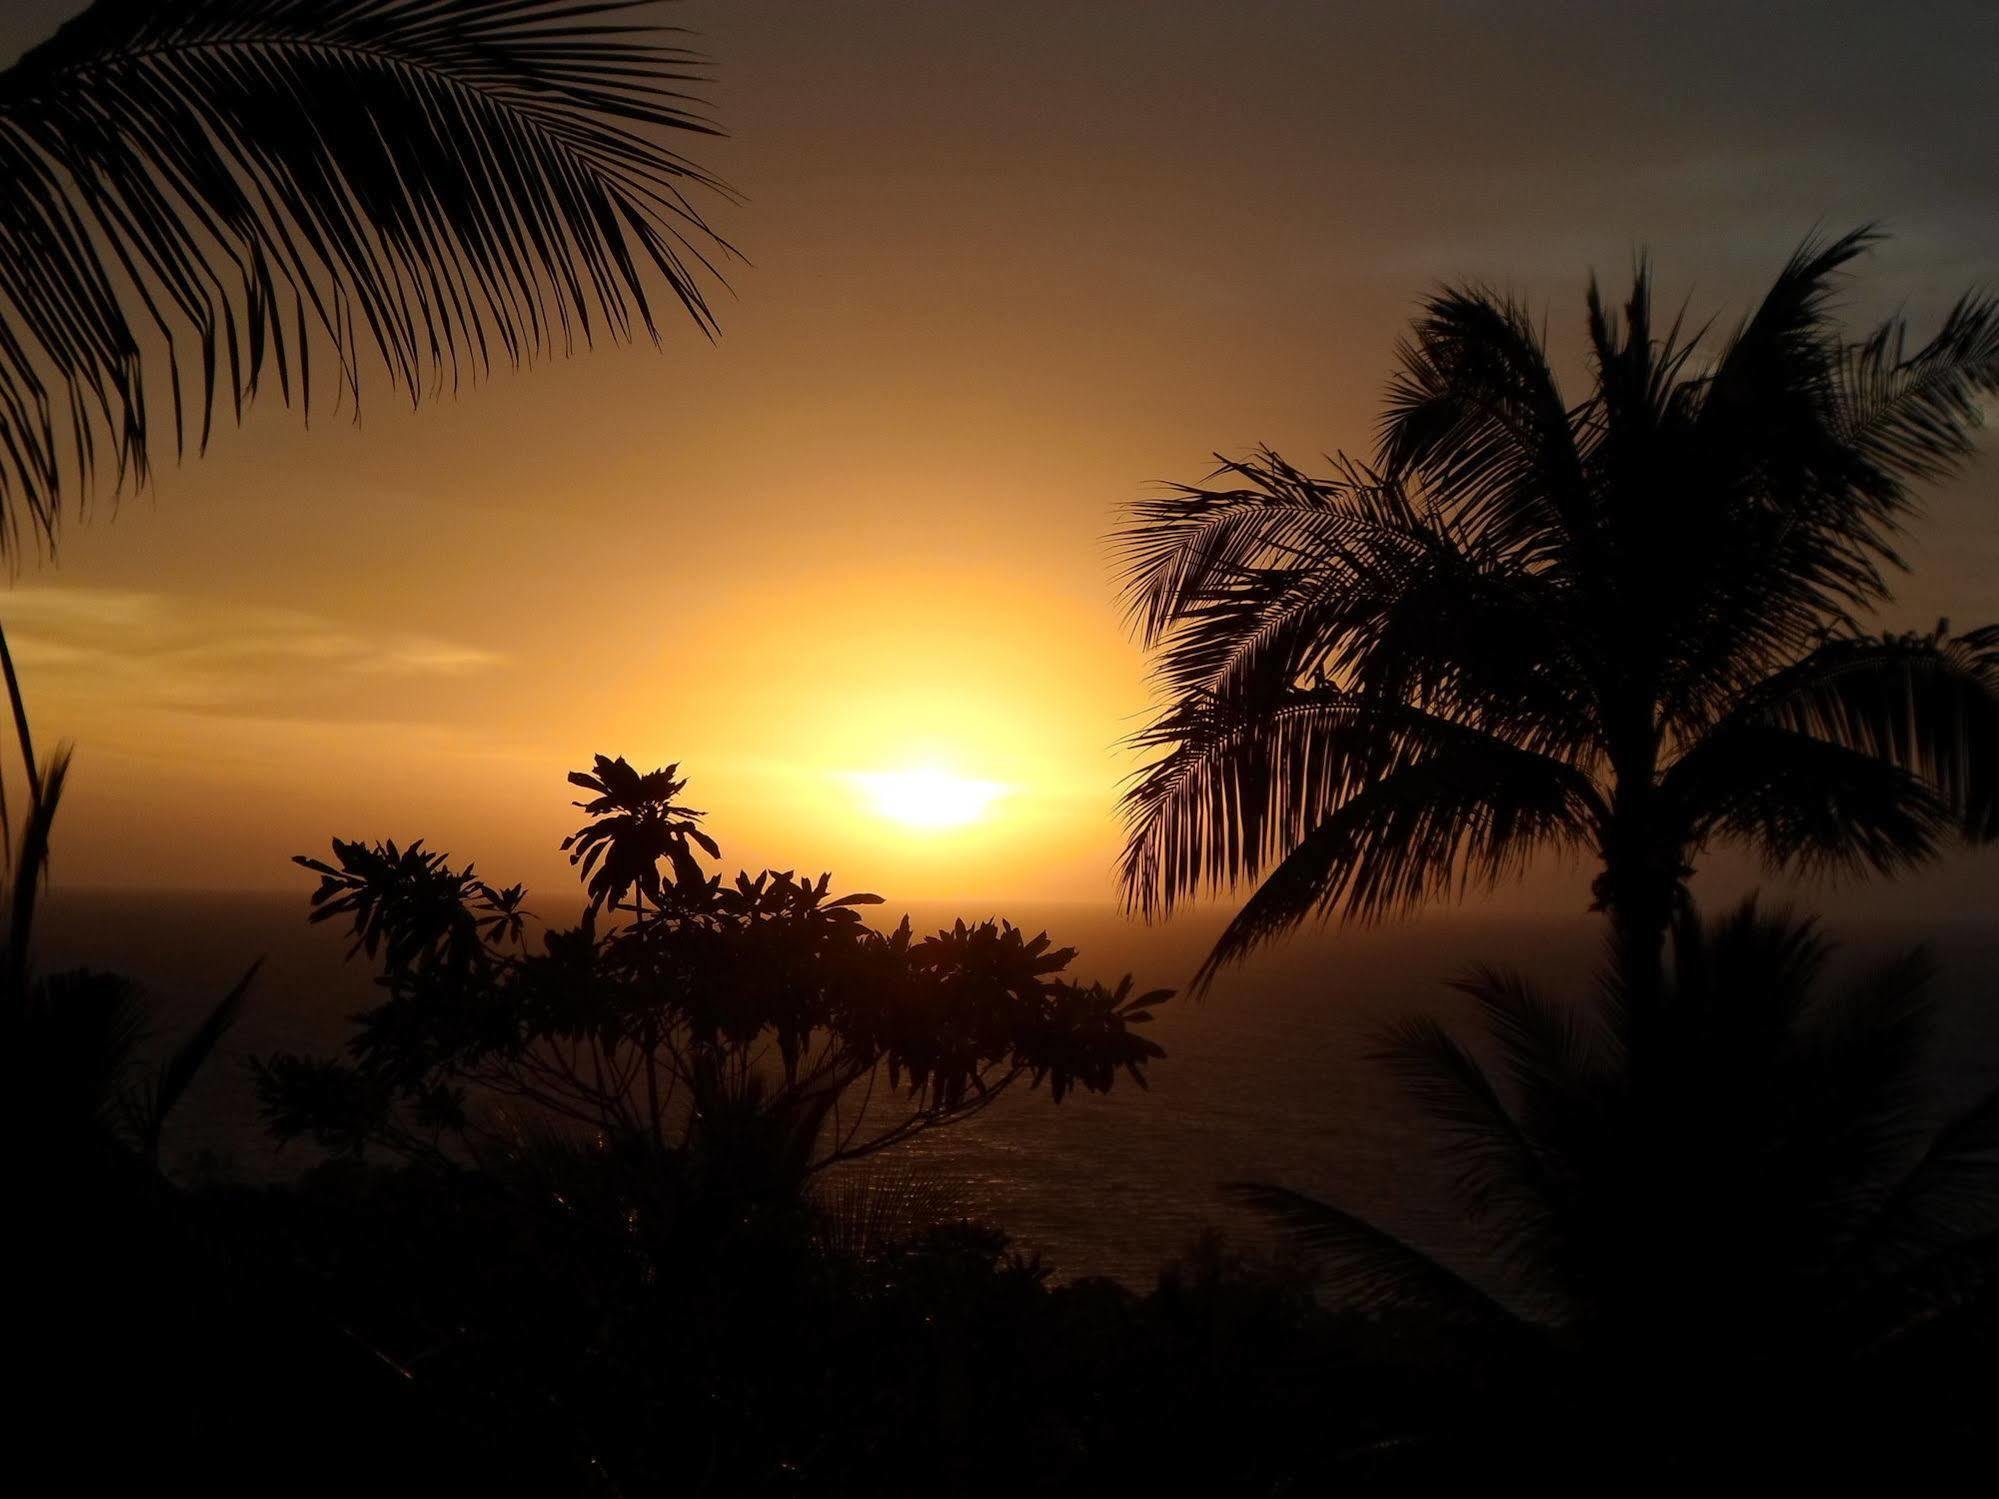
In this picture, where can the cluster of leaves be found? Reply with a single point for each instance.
(713, 1012)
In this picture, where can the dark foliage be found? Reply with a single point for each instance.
(101, 1315)
(1621, 624)
(584, 1321)
(1707, 1225)
(207, 194)
(759, 1022)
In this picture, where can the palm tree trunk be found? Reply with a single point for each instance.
(1643, 867)
(1639, 920)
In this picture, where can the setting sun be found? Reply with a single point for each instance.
(926, 797)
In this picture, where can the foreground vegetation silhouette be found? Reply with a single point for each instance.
(1700, 1228)
(1718, 1230)
(1623, 624)
(757, 1027)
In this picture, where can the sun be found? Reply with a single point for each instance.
(927, 797)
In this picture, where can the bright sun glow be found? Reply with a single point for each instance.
(926, 797)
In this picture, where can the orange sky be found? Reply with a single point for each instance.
(1008, 264)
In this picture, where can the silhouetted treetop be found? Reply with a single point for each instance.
(1626, 623)
(635, 827)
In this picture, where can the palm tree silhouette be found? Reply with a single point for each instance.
(1621, 625)
(198, 192)
(1739, 1203)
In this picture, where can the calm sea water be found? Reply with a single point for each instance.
(1267, 1077)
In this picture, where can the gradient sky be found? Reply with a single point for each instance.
(1007, 266)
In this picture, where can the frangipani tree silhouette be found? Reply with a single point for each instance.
(1701, 1223)
(1621, 624)
(202, 195)
(756, 1026)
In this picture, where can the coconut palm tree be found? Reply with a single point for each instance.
(1621, 624)
(1698, 1229)
(201, 195)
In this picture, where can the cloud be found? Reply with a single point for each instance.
(205, 656)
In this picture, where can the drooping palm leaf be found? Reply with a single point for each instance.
(1867, 752)
(1910, 416)
(1501, 1178)
(1947, 1193)
(195, 193)
(1460, 813)
(1803, 803)
(1368, 1268)
(163, 1093)
(1928, 704)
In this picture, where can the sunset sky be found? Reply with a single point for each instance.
(1005, 266)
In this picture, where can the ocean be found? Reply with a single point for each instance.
(1269, 1076)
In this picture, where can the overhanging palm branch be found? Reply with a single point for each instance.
(1620, 623)
(196, 193)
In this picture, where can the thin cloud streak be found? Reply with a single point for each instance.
(187, 654)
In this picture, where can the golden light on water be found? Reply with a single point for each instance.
(927, 796)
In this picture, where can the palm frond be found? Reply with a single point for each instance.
(1950, 1193)
(1780, 363)
(1946, 1290)
(171, 1082)
(1187, 548)
(1926, 703)
(1805, 804)
(1860, 1062)
(1501, 1177)
(1466, 813)
(25, 739)
(1368, 1268)
(1866, 752)
(1783, 539)
(198, 191)
(1638, 376)
(1561, 1063)
(1234, 784)
(1475, 412)
(1910, 417)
